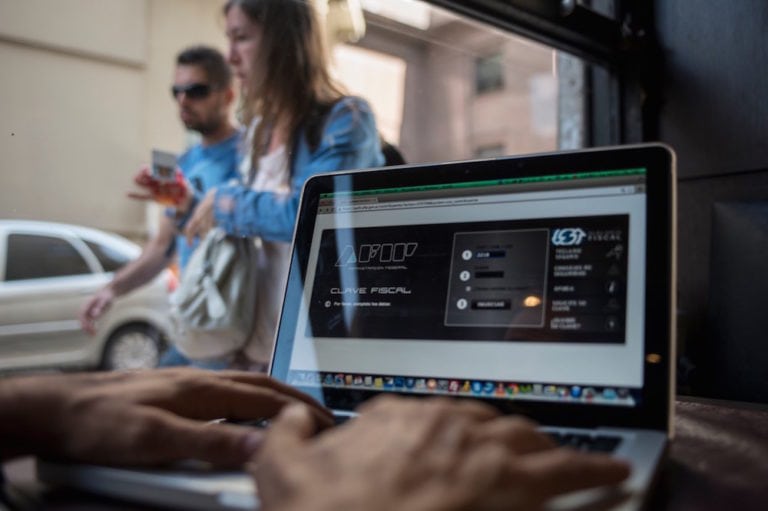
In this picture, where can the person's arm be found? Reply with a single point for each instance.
(420, 455)
(153, 259)
(349, 140)
(141, 418)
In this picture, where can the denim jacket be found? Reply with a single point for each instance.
(350, 140)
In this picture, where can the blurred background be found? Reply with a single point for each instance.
(85, 87)
(85, 93)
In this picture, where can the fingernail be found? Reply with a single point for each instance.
(252, 442)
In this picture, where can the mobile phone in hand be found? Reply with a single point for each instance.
(163, 166)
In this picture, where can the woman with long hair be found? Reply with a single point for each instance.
(299, 122)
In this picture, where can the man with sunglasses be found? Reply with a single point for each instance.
(202, 88)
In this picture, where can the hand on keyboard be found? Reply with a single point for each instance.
(420, 455)
(142, 417)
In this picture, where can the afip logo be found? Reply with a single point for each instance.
(376, 253)
(568, 237)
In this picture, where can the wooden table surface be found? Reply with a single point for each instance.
(718, 459)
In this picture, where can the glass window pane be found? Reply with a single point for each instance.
(33, 257)
(109, 258)
(445, 87)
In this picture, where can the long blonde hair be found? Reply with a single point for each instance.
(294, 86)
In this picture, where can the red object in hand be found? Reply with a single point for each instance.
(168, 193)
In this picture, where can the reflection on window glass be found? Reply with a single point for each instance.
(445, 87)
(35, 257)
(109, 258)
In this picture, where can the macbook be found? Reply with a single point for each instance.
(542, 285)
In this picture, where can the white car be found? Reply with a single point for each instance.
(47, 271)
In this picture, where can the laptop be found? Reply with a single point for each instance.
(542, 285)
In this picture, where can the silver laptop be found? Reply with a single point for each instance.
(542, 285)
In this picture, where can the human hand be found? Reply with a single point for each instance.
(420, 455)
(143, 417)
(168, 193)
(202, 219)
(94, 308)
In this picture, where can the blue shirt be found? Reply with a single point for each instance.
(206, 167)
(350, 140)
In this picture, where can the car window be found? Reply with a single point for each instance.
(109, 258)
(32, 256)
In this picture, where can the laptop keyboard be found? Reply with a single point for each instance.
(586, 442)
(580, 441)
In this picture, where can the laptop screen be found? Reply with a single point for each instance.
(521, 289)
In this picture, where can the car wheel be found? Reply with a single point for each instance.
(133, 347)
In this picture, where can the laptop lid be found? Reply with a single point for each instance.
(540, 284)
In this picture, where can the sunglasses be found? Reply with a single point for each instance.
(192, 90)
